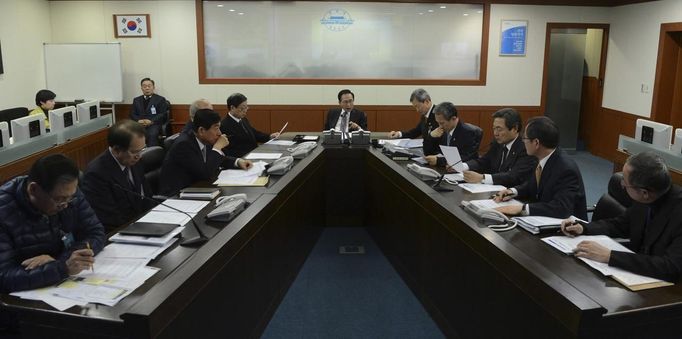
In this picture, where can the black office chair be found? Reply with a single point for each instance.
(151, 160)
(166, 127)
(168, 142)
(13, 113)
(614, 202)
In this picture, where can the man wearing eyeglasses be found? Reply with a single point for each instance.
(653, 223)
(555, 188)
(48, 230)
(346, 118)
(111, 176)
(243, 137)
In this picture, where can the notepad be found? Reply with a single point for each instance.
(202, 193)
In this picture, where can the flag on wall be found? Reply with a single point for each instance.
(132, 25)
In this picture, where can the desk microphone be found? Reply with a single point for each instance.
(191, 242)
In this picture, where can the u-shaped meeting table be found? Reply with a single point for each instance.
(473, 281)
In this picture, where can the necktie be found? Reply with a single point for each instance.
(447, 139)
(344, 122)
(504, 157)
(246, 129)
(203, 153)
(131, 182)
(538, 174)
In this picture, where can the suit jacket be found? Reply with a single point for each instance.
(658, 244)
(242, 139)
(515, 169)
(142, 111)
(561, 192)
(357, 116)
(423, 128)
(184, 165)
(466, 137)
(114, 207)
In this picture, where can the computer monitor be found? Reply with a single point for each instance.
(28, 127)
(87, 111)
(62, 118)
(4, 134)
(654, 133)
(677, 144)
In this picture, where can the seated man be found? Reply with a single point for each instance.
(47, 229)
(653, 223)
(452, 132)
(421, 101)
(556, 188)
(506, 162)
(197, 156)
(45, 102)
(243, 137)
(346, 118)
(193, 108)
(150, 110)
(116, 171)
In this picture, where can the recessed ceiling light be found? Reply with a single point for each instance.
(221, 5)
(466, 14)
(430, 11)
(479, 12)
(231, 10)
(422, 13)
(241, 13)
(443, 7)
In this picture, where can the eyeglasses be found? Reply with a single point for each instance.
(62, 202)
(138, 152)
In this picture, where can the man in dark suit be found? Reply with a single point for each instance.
(346, 118)
(116, 170)
(452, 132)
(556, 188)
(197, 156)
(243, 137)
(506, 162)
(421, 101)
(653, 223)
(150, 110)
(193, 108)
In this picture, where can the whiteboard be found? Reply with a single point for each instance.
(84, 71)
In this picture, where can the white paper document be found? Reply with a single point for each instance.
(452, 157)
(490, 203)
(189, 206)
(113, 268)
(266, 156)
(119, 250)
(406, 143)
(241, 177)
(481, 188)
(280, 142)
(46, 295)
(154, 241)
(454, 177)
(420, 160)
(159, 217)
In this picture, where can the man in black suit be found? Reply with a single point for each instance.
(452, 132)
(653, 223)
(116, 170)
(421, 101)
(193, 108)
(150, 110)
(243, 137)
(556, 188)
(197, 156)
(506, 162)
(346, 118)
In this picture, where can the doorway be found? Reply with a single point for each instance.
(573, 78)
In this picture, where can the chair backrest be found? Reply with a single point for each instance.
(166, 127)
(13, 113)
(152, 158)
(614, 202)
(168, 142)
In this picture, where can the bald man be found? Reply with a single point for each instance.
(193, 108)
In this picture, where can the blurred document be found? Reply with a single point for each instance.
(189, 206)
(280, 142)
(481, 188)
(266, 156)
(176, 218)
(452, 157)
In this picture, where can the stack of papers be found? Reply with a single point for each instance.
(539, 224)
(266, 156)
(406, 143)
(233, 177)
(632, 281)
(490, 203)
(280, 142)
(481, 188)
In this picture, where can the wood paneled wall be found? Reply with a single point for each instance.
(309, 118)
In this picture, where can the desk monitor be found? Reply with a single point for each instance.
(4, 134)
(677, 144)
(28, 127)
(654, 133)
(62, 118)
(87, 111)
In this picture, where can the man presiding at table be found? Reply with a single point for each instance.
(47, 229)
(653, 223)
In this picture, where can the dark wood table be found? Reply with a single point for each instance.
(474, 282)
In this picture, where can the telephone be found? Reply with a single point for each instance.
(423, 173)
(396, 152)
(495, 220)
(281, 165)
(228, 207)
(360, 137)
(302, 150)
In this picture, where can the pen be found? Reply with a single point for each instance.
(92, 267)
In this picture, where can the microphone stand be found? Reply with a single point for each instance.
(190, 242)
(436, 186)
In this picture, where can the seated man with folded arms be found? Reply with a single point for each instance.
(506, 162)
(243, 137)
(555, 189)
(193, 108)
(197, 156)
(48, 230)
(110, 176)
(653, 223)
(452, 132)
(45, 103)
(346, 118)
(150, 110)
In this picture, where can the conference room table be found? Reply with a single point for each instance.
(474, 282)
